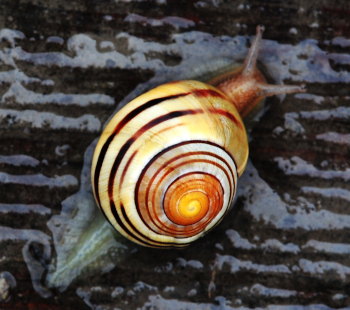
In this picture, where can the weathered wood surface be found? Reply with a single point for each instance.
(64, 68)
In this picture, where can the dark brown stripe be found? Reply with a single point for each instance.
(128, 144)
(196, 230)
(175, 167)
(202, 93)
(169, 149)
(126, 168)
(133, 155)
(145, 243)
(202, 160)
(134, 113)
(208, 93)
(228, 115)
(118, 128)
(121, 224)
(138, 133)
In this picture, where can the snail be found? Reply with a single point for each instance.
(165, 169)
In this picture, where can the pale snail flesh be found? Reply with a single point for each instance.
(165, 169)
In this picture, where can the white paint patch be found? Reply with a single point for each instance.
(181, 262)
(55, 39)
(169, 289)
(263, 291)
(238, 265)
(158, 302)
(339, 297)
(299, 167)
(219, 246)
(61, 150)
(141, 286)
(108, 18)
(304, 96)
(117, 292)
(19, 160)
(340, 41)
(273, 245)
(270, 245)
(200, 4)
(195, 264)
(327, 247)
(293, 31)
(23, 209)
(334, 137)
(238, 241)
(42, 120)
(39, 180)
(318, 269)
(192, 292)
(16, 77)
(322, 115)
(174, 21)
(11, 36)
(24, 97)
(292, 125)
(333, 192)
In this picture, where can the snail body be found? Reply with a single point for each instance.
(165, 169)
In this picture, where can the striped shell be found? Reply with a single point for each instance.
(165, 169)
(166, 166)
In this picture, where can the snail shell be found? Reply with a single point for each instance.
(165, 169)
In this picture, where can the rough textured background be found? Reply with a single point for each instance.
(285, 243)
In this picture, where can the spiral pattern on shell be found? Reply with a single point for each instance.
(165, 169)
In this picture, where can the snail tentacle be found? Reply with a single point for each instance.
(247, 86)
(249, 65)
(270, 90)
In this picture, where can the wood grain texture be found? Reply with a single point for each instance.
(285, 242)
